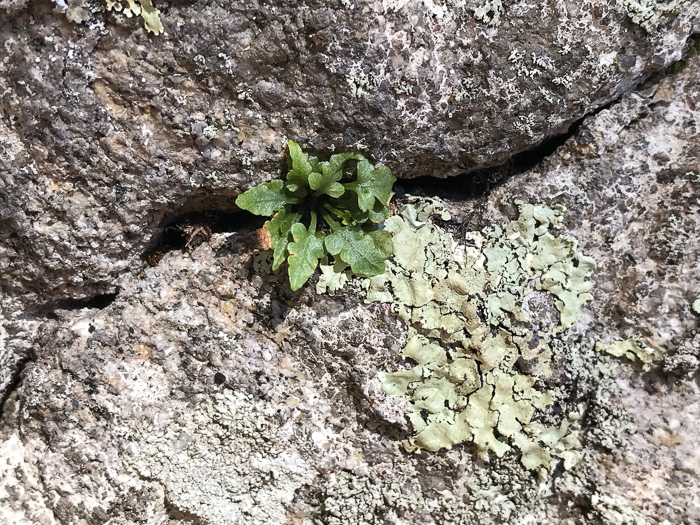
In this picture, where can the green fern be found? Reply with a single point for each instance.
(351, 213)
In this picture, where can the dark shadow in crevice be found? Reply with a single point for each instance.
(99, 302)
(691, 49)
(187, 231)
(174, 513)
(16, 381)
(475, 184)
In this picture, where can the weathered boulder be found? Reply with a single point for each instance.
(196, 388)
(208, 392)
(108, 132)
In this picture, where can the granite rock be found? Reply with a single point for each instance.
(197, 388)
(109, 133)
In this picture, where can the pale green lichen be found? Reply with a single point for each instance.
(489, 12)
(333, 277)
(650, 14)
(142, 8)
(362, 83)
(471, 328)
(628, 348)
(696, 306)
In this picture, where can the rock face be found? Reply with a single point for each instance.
(200, 389)
(109, 132)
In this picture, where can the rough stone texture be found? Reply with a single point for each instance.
(17, 334)
(206, 392)
(631, 178)
(108, 132)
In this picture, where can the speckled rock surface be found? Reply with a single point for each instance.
(631, 178)
(207, 392)
(204, 391)
(109, 132)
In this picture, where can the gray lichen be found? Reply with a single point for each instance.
(650, 14)
(363, 501)
(489, 12)
(471, 328)
(223, 461)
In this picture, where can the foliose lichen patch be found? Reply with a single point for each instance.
(628, 348)
(474, 328)
(142, 8)
(650, 14)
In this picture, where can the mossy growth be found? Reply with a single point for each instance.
(476, 347)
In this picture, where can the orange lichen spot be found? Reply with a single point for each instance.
(143, 351)
(263, 241)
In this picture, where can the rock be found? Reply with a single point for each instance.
(109, 132)
(17, 338)
(207, 391)
(196, 387)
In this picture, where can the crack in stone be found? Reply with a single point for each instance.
(16, 380)
(98, 301)
(475, 184)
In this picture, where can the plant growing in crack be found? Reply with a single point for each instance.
(320, 210)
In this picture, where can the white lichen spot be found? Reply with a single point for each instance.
(210, 131)
(245, 95)
(362, 83)
(489, 12)
(524, 124)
